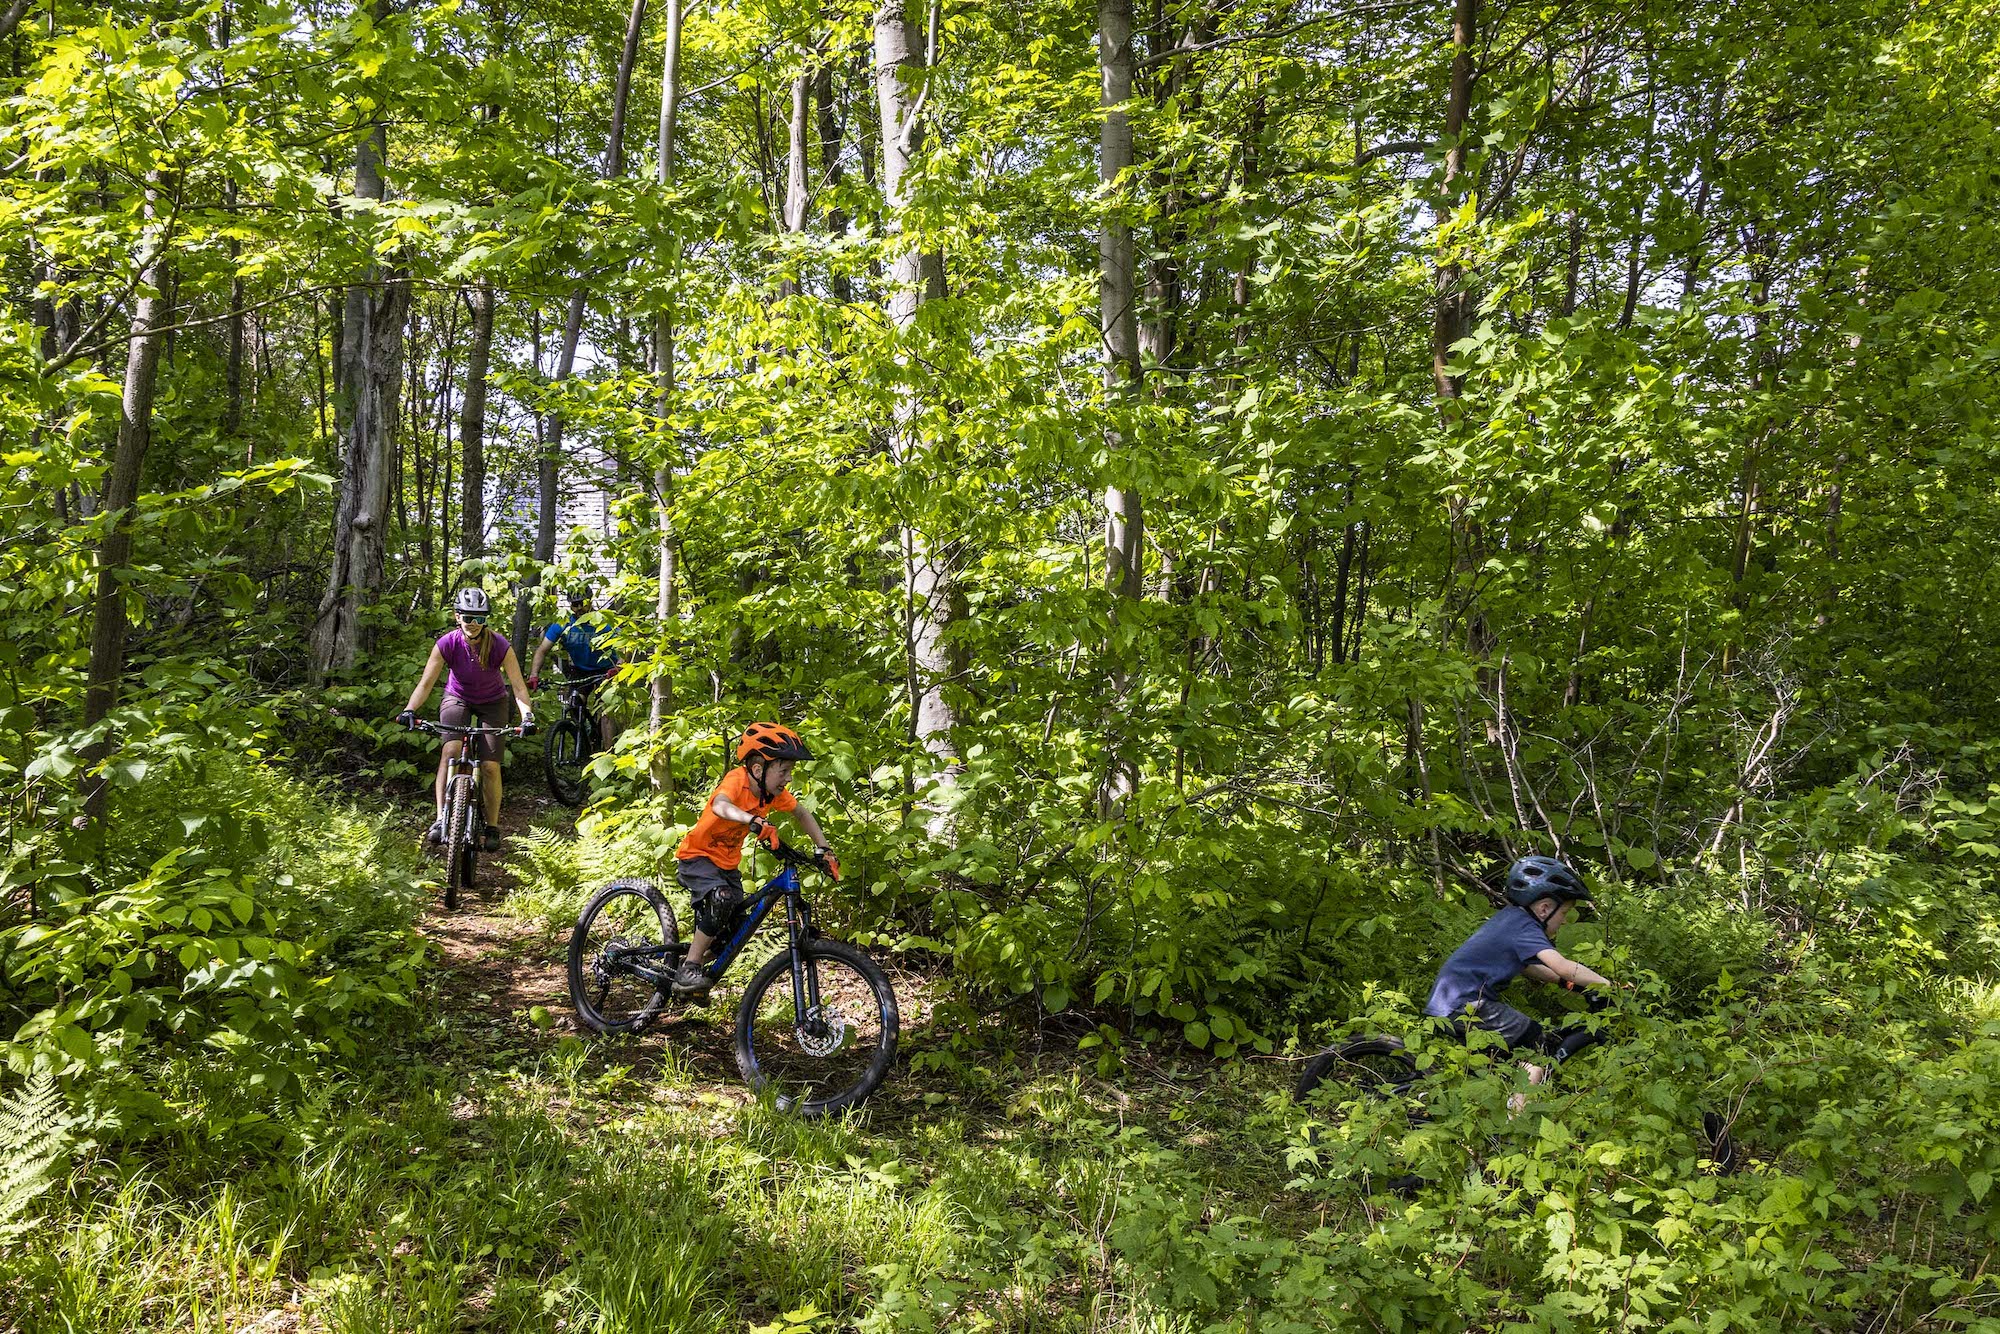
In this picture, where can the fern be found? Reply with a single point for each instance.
(34, 1132)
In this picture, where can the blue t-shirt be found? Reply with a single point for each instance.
(578, 640)
(1490, 958)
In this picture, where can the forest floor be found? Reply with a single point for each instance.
(501, 1169)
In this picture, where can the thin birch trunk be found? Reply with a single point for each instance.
(929, 594)
(150, 312)
(667, 604)
(1124, 522)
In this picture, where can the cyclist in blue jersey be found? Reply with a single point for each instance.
(582, 653)
(1517, 941)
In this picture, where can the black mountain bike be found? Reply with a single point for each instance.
(817, 1024)
(1380, 1065)
(464, 812)
(573, 740)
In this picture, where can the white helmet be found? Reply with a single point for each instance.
(472, 602)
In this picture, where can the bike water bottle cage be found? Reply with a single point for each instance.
(1532, 879)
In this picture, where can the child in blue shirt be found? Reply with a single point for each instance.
(1542, 892)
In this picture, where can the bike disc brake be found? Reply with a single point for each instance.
(823, 1033)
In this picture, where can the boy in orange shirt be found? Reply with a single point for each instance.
(711, 854)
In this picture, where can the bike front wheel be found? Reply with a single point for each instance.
(821, 1036)
(628, 923)
(1375, 1065)
(564, 754)
(458, 837)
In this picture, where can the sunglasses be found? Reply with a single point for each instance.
(477, 618)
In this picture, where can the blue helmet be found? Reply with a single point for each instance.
(1534, 878)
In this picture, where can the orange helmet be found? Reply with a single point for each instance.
(771, 741)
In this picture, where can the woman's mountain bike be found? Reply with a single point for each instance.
(573, 740)
(464, 812)
(817, 1023)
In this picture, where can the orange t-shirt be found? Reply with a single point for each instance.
(720, 840)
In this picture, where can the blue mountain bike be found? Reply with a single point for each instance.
(817, 1023)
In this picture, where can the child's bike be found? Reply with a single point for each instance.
(1379, 1065)
(817, 1023)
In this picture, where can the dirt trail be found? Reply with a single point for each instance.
(496, 966)
(497, 969)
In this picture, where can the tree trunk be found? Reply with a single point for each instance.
(667, 603)
(1451, 310)
(831, 172)
(368, 374)
(1124, 526)
(150, 312)
(232, 413)
(929, 594)
(797, 197)
(1452, 317)
(472, 425)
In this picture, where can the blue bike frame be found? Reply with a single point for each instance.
(644, 961)
(798, 922)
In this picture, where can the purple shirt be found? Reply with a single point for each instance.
(468, 680)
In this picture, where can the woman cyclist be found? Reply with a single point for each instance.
(482, 667)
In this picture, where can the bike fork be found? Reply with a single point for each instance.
(805, 977)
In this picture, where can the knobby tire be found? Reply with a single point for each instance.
(563, 759)
(607, 1001)
(769, 1052)
(1375, 1065)
(457, 839)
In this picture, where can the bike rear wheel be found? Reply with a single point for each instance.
(458, 835)
(1374, 1065)
(626, 915)
(826, 1057)
(564, 755)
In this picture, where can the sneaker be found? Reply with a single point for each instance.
(492, 839)
(435, 834)
(691, 979)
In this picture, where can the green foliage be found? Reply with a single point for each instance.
(34, 1136)
(270, 926)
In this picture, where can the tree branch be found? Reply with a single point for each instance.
(1269, 34)
(11, 18)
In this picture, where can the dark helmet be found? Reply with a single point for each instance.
(1534, 878)
(578, 593)
(771, 741)
(472, 602)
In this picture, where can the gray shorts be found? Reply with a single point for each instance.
(1515, 1029)
(456, 712)
(715, 892)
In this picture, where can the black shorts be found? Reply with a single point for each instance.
(715, 891)
(459, 713)
(1515, 1029)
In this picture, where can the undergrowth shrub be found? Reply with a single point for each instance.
(555, 873)
(236, 910)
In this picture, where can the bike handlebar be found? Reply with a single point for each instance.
(452, 733)
(785, 852)
(589, 678)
